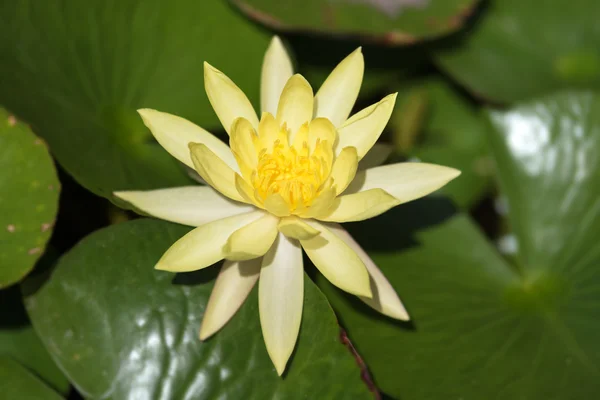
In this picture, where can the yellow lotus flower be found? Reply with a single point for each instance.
(283, 185)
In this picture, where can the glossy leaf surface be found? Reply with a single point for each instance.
(132, 331)
(483, 328)
(82, 69)
(520, 49)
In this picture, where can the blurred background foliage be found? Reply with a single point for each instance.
(499, 270)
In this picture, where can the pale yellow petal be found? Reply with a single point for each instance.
(364, 128)
(301, 137)
(246, 191)
(280, 299)
(404, 181)
(295, 105)
(189, 205)
(360, 206)
(320, 130)
(276, 70)
(296, 228)
(385, 300)
(322, 205)
(337, 261)
(276, 205)
(174, 133)
(234, 283)
(344, 168)
(324, 151)
(228, 100)
(203, 246)
(378, 154)
(269, 131)
(337, 95)
(253, 240)
(243, 140)
(214, 171)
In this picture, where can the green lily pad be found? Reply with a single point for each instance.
(521, 49)
(120, 329)
(19, 341)
(29, 190)
(77, 71)
(18, 383)
(394, 22)
(435, 124)
(484, 328)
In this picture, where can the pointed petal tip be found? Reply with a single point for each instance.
(210, 71)
(397, 311)
(161, 267)
(402, 316)
(455, 173)
(365, 291)
(280, 368)
(391, 97)
(276, 40)
(299, 79)
(206, 332)
(193, 145)
(203, 335)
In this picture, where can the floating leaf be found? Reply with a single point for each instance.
(29, 191)
(18, 383)
(389, 21)
(77, 71)
(121, 329)
(483, 328)
(19, 341)
(520, 49)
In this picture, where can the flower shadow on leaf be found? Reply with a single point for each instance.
(396, 231)
(199, 277)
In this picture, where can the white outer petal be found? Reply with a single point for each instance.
(385, 299)
(187, 205)
(280, 299)
(174, 133)
(405, 181)
(234, 283)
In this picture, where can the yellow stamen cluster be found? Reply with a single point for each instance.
(297, 174)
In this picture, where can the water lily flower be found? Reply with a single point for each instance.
(283, 184)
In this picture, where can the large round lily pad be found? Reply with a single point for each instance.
(120, 329)
(484, 328)
(521, 49)
(389, 21)
(77, 71)
(29, 190)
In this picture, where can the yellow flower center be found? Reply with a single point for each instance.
(285, 172)
(297, 174)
